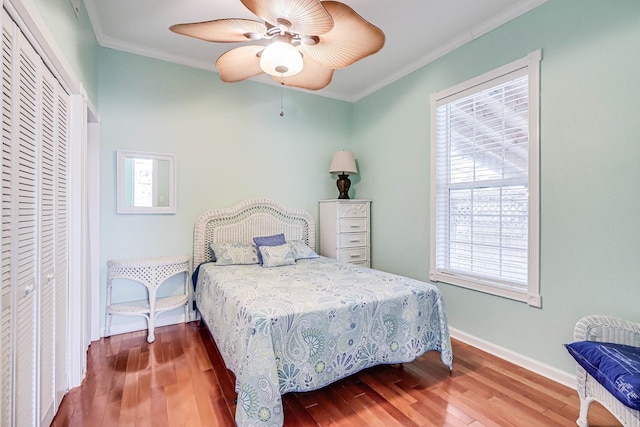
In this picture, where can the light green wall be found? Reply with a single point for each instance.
(590, 172)
(230, 141)
(75, 38)
(232, 144)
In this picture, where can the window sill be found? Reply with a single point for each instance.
(487, 287)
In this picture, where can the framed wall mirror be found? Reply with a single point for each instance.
(146, 182)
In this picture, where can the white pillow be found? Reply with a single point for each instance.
(234, 253)
(301, 250)
(277, 256)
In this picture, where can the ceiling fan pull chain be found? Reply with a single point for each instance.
(281, 96)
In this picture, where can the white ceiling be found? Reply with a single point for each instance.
(417, 32)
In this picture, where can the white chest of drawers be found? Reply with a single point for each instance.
(345, 230)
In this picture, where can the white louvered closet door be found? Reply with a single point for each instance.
(47, 213)
(24, 237)
(35, 271)
(61, 247)
(6, 338)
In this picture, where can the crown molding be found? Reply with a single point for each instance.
(518, 9)
(472, 34)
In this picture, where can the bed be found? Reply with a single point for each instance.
(307, 324)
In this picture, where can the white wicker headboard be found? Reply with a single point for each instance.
(248, 219)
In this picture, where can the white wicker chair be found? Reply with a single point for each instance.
(604, 329)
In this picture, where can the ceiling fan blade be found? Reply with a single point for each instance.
(239, 64)
(222, 30)
(305, 16)
(351, 39)
(313, 76)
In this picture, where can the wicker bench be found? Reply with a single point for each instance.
(610, 330)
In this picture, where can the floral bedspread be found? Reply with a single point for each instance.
(304, 326)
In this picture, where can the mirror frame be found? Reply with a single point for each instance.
(122, 208)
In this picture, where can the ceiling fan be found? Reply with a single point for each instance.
(300, 43)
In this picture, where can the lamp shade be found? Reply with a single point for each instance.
(343, 163)
(281, 59)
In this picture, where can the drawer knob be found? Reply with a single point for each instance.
(354, 256)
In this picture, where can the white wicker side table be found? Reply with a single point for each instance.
(151, 272)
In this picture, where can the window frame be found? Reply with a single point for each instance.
(529, 65)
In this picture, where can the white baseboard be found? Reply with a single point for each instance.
(545, 370)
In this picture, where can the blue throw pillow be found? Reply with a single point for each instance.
(275, 240)
(615, 366)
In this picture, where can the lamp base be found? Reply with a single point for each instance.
(343, 183)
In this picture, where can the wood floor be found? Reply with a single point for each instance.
(180, 380)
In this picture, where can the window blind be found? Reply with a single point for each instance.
(481, 171)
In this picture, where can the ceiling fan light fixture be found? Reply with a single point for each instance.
(309, 40)
(281, 59)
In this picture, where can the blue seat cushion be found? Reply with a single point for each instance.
(615, 366)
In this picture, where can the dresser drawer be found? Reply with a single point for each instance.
(353, 225)
(353, 210)
(353, 255)
(345, 230)
(360, 263)
(351, 240)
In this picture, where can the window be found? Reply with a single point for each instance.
(485, 185)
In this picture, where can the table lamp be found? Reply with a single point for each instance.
(343, 164)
